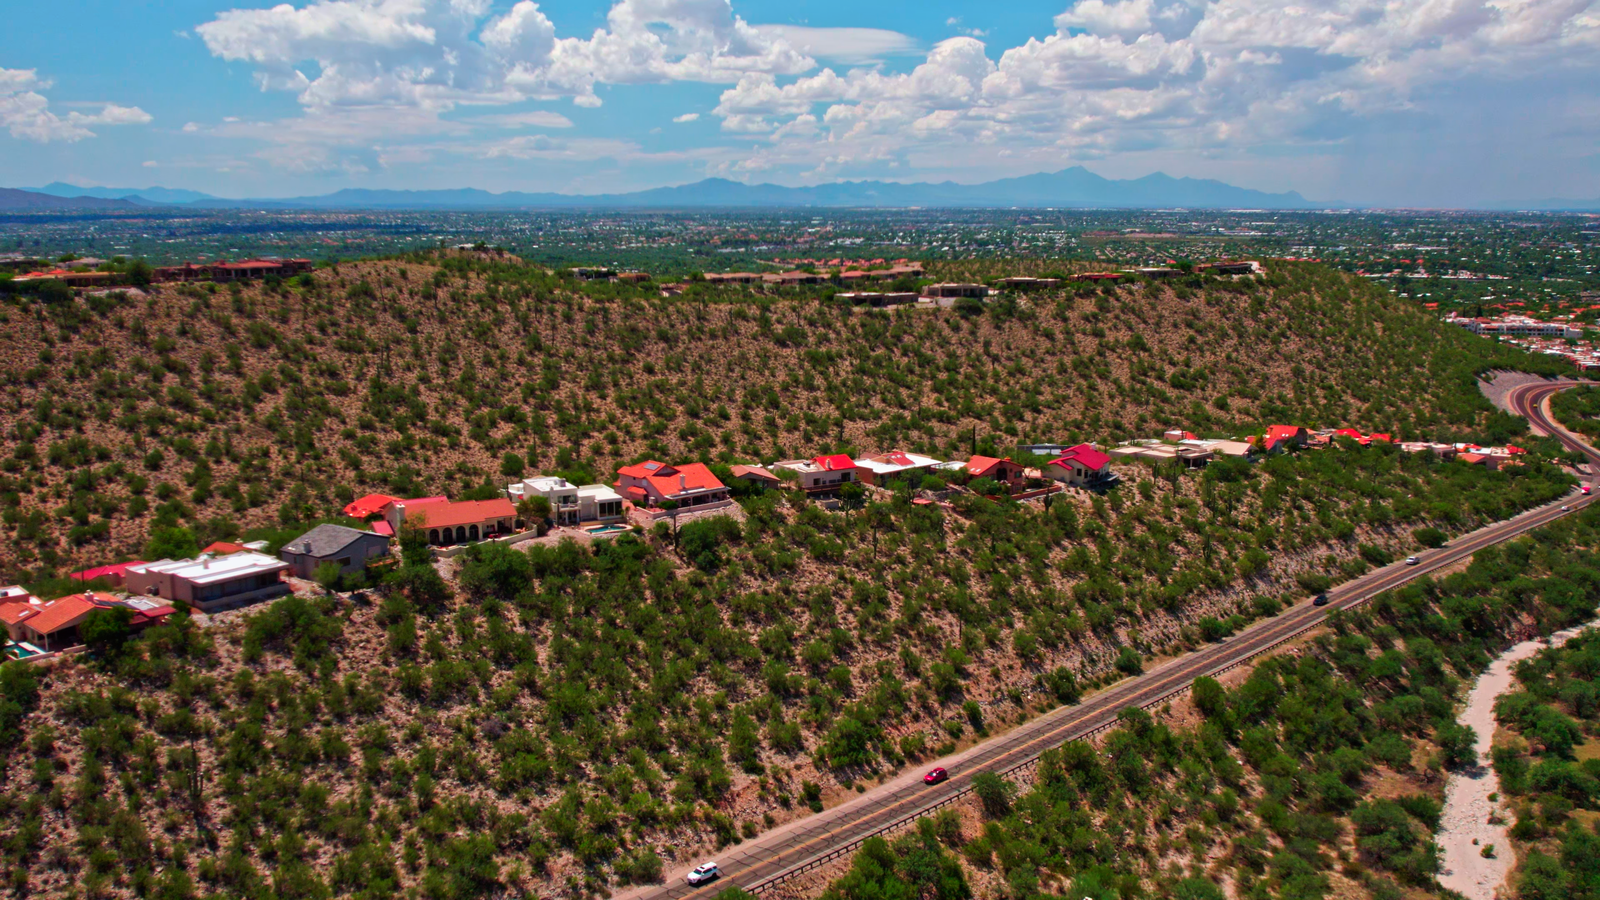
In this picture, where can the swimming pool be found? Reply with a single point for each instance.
(22, 650)
(608, 529)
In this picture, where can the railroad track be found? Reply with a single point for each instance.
(768, 860)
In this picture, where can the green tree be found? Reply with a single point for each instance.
(511, 465)
(423, 586)
(106, 631)
(327, 575)
(994, 792)
(171, 542)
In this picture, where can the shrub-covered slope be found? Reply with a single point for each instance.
(239, 407)
(1320, 774)
(565, 718)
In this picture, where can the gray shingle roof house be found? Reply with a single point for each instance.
(349, 548)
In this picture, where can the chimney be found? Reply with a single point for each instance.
(305, 547)
(683, 482)
(205, 561)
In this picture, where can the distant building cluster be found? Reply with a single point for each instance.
(1533, 335)
(224, 271)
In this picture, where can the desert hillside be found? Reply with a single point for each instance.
(563, 718)
(241, 407)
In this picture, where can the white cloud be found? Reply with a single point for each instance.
(852, 46)
(1197, 77)
(1208, 76)
(538, 118)
(25, 112)
(686, 117)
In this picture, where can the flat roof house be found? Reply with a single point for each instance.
(1024, 282)
(822, 475)
(887, 467)
(454, 522)
(653, 483)
(348, 548)
(1231, 267)
(790, 279)
(211, 583)
(956, 290)
(562, 494)
(599, 503)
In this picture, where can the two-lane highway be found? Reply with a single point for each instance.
(787, 850)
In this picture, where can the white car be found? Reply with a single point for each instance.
(1412, 560)
(703, 873)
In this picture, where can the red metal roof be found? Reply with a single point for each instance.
(1084, 455)
(370, 505)
(838, 462)
(111, 571)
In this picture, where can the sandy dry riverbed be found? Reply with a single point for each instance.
(1464, 829)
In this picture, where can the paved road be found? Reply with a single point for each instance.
(1531, 401)
(811, 841)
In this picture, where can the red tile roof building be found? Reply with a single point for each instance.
(55, 625)
(653, 483)
(454, 522)
(1002, 470)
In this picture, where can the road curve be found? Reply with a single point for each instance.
(1530, 401)
(801, 845)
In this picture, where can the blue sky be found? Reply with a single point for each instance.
(1389, 102)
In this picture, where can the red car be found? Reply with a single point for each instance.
(936, 776)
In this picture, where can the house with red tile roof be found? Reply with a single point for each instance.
(755, 474)
(652, 483)
(1002, 470)
(453, 521)
(1080, 465)
(16, 604)
(56, 625)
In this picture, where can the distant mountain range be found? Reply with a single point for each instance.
(146, 196)
(1076, 187)
(10, 198)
